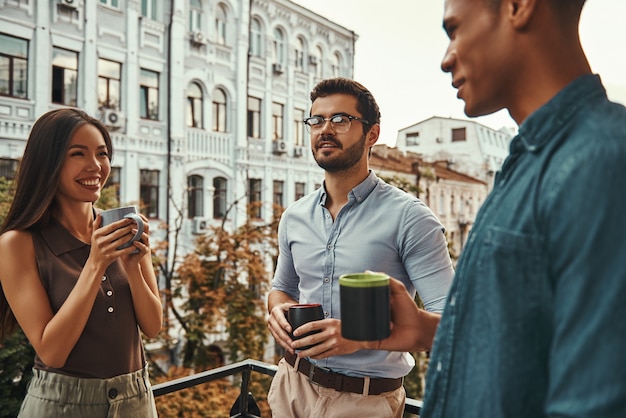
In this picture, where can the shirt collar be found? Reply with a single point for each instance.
(542, 125)
(359, 193)
(59, 239)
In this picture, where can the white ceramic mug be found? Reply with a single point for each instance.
(113, 215)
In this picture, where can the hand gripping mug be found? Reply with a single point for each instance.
(113, 215)
(300, 314)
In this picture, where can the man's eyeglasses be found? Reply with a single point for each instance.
(340, 123)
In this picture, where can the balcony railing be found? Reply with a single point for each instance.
(245, 368)
(203, 144)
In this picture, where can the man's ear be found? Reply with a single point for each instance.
(372, 135)
(520, 12)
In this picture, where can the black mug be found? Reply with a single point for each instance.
(365, 309)
(300, 314)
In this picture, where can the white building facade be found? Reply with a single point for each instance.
(204, 98)
(469, 146)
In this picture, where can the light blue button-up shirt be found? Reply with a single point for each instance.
(535, 323)
(381, 228)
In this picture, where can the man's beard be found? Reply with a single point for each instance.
(349, 159)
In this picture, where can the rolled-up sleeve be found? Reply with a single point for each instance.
(285, 277)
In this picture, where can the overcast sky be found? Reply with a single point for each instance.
(401, 43)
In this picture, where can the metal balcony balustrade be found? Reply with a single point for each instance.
(245, 368)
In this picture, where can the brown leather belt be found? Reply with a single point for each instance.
(341, 382)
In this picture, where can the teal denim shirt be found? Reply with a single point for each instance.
(535, 322)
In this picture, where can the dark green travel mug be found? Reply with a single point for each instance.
(365, 311)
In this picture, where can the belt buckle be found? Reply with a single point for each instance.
(312, 372)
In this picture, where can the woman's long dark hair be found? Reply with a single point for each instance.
(37, 179)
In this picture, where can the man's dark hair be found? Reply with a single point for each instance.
(366, 104)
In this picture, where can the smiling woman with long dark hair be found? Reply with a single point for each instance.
(80, 301)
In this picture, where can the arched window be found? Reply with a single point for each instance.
(255, 38)
(221, 18)
(319, 70)
(194, 106)
(279, 46)
(219, 110)
(300, 53)
(219, 197)
(336, 64)
(195, 196)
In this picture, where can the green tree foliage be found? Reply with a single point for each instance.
(16, 363)
(6, 197)
(224, 281)
(16, 354)
(216, 289)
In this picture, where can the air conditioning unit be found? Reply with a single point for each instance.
(277, 68)
(200, 225)
(298, 151)
(280, 147)
(313, 59)
(113, 119)
(197, 37)
(70, 4)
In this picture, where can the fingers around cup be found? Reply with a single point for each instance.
(302, 313)
(140, 226)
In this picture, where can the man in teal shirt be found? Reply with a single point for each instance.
(534, 322)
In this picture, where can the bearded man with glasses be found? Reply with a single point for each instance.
(355, 222)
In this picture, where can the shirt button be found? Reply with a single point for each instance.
(326, 279)
(330, 247)
(439, 366)
(110, 309)
(104, 278)
(452, 300)
(113, 393)
(109, 292)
